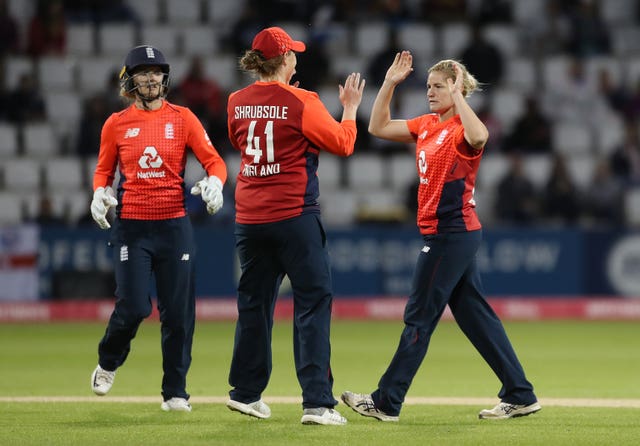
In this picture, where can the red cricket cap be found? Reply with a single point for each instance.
(274, 41)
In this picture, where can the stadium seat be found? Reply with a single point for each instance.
(329, 97)
(163, 37)
(507, 105)
(63, 107)
(148, 11)
(365, 171)
(93, 73)
(330, 171)
(371, 38)
(14, 68)
(521, 73)
(11, 209)
(193, 172)
(412, 102)
(505, 37)
(625, 40)
(8, 140)
(223, 70)
(40, 140)
(72, 205)
(420, 38)
(618, 12)
(224, 12)
(63, 175)
(56, 73)
(184, 12)
(401, 171)
(22, 174)
(339, 206)
(526, 10)
(572, 139)
(632, 207)
(537, 169)
(493, 168)
(200, 40)
(116, 39)
(454, 38)
(81, 39)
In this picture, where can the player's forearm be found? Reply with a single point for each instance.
(381, 112)
(475, 132)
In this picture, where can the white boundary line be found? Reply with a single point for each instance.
(443, 401)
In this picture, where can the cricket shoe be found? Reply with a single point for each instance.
(505, 410)
(176, 404)
(364, 405)
(256, 409)
(323, 415)
(102, 380)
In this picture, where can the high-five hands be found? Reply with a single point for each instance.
(351, 93)
(103, 199)
(210, 188)
(400, 68)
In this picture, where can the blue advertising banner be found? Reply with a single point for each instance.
(379, 261)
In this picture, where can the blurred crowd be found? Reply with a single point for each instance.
(577, 32)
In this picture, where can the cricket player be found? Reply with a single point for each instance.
(152, 234)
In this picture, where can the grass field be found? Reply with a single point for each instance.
(581, 371)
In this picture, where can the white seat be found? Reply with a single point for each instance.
(401, 170)
(147, 10)
(163, 37)
(413, 102)
(631, 207)
(329, 171)
(507, 104)
(581, 170)
(537, 169)
(71, 205)
(520, 73)
(63, 174)
(22, 174)
(116, 38)
(8, 140)
(625, 40)
(505, 37)
(14, 68)
(365, 171)
(610, 134)
(343, 65)
(56, 73)
(617, 12)
(81, 39)
(454, 37)
(10, 209)
(200, 40)
(338, 39)
(93, 73)
(225, 12)
(339, 206)
(420, 38)
(40, 140)
(555, 72)
(492, 169)
(526, 10)
(371, 38)
(193, 172)
(184, 12)
(594, 65)
(223, 70)
(329, 97)
(63, 106)
(572, 139)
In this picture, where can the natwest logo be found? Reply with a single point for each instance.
(150, 158)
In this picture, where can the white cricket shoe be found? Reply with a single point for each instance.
(323, 415)
(176, 404)
(363, 404)
(505, 410)
(102, 380)
(257, 409)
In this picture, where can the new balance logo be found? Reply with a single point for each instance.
(425, 249)
(185, 257)
(132, 133)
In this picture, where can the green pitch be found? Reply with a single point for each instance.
(584, 364)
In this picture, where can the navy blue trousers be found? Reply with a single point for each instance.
(165, 250)
(446, 273)
(297, 248)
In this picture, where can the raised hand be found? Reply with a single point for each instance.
(457, 85)
(351, 93)
(400, 68)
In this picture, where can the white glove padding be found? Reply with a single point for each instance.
(211, 190)
(103, 199)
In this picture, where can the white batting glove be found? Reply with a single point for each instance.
(211, 190)
(103, 199)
